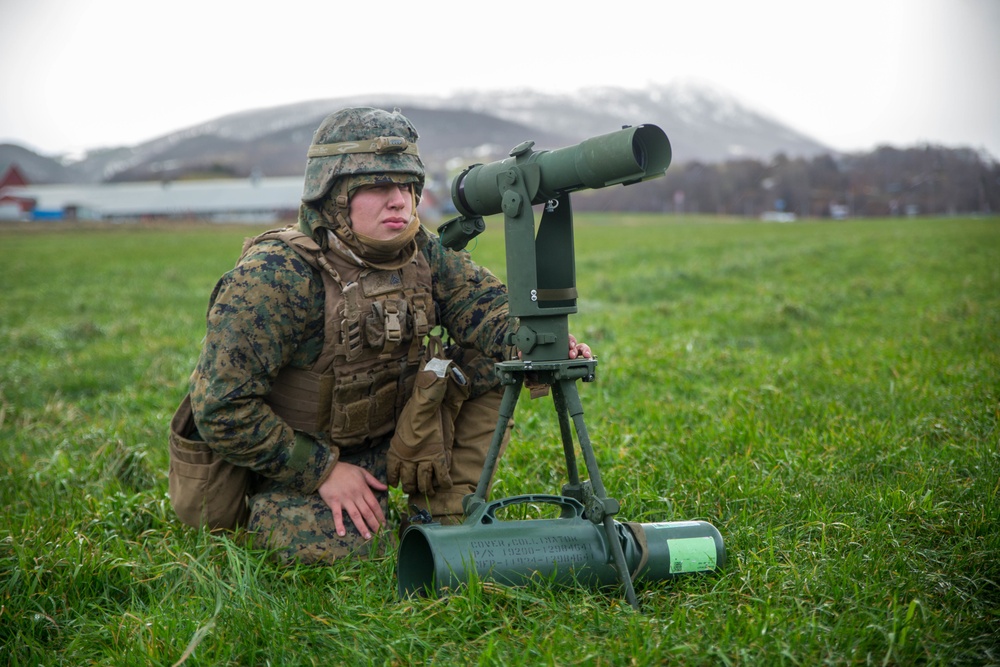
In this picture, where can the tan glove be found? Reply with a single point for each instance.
(419, 457)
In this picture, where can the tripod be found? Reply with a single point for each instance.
(561, 377)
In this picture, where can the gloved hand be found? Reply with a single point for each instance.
(418, 459)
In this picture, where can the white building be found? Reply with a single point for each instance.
(247, 200)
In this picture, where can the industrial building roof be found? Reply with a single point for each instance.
(209, 198)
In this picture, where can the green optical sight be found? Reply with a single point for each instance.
(541, 266)
(628, 156)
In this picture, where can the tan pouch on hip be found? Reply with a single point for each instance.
(205, 489)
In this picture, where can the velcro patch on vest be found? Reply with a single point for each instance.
(381, 282)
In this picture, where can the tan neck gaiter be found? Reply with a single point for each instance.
(389, 254)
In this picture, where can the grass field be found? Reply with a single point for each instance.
(826, 394)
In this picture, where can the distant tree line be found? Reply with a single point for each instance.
(927, 180)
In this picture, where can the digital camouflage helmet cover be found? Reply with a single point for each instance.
(361, 141)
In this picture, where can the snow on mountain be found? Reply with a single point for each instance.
(704, 124)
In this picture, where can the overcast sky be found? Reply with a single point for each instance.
(80, 74)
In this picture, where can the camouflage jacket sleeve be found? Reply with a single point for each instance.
(472, 302)
(263, 315)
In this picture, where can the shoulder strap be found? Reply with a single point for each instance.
(302, 243)
(312, 253)
(250, 242)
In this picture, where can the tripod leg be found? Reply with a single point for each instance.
(559, 399)
(575, 408)
(507, 404)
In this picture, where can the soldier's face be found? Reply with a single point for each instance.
(381, 211)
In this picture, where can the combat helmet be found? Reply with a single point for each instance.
(357, 141)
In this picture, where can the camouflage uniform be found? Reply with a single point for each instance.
(267, 314)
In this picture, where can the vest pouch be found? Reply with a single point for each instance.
(205, 489)
(383, 404)
(388, 325)
(364, 406)
(349, 409)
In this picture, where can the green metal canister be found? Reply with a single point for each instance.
(433, 558)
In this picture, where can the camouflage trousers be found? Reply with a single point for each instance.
(300, 527)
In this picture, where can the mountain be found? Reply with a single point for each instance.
(703, 124)
(36, 168)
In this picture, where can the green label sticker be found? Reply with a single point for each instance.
(692, 554)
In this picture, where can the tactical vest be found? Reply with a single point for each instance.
(375, 322)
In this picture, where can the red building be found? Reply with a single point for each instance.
(12, 206)
(13, 176)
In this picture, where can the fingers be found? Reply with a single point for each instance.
(411, 478)
(392, 469)
(373, 481)
(366, 515)
(428, 477)
(425, 479)
(350, 489)
(442, 473)
(338, 518)
(578, 349)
